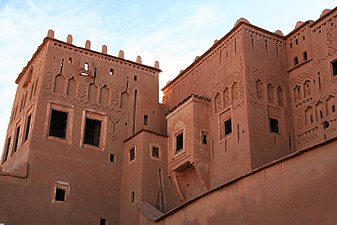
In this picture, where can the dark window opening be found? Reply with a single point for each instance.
(70, 60)
(291, 45)
(60, 194)
(274, 125)
(16, 139)
(155, 152)
(146, 120)
(135, 78)
(28, 126)
(92, 132)
(112, 158)
(311, 119)
(321, 114)
(132, 154)
(204, 139)
(334, 68)
(305, 56)
(102, 221)
(179, 142)
(295, 61)
(296, 41)
(133, 196)
(111, 71)
(326, 124)
(333, 108)
(228, 126)
(58, 124)
(7, 149)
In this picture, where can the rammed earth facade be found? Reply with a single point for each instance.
(245, 135)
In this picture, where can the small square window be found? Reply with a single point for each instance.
(132, 154)
(58, 124)
(179, 142)
(92, 132)
(60, 194)
(334, 68)
(274, 125)
(155, 152)
(228, 126)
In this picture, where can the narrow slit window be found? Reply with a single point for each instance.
(28, 127)
(92, 132)
(305, 56)
(16, 143)
(334, 68)
(132, 197)
(7, 149)
(132, 154)
(146, 120)
(58, 124)
(112, 158)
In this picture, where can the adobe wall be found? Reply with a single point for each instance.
(299, 190)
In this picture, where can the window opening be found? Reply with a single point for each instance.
(135, 78)
(146, 120)
(133, 196)
(16, 143)
(305, 56)
(333, 108)
(204, 137)
(334, 68)
(60, 194)
(228, 126)
(58, 124)
(295, 61)
(112, 158)
(155, 152)
(296, 41)
(326, 124)
(132, 154)
(86, 66)
(28, 126)
(7, 149)
(274, 125)
(321, 114)
(111, 71)
(92, 132)
(179, 142)
(102, 221)
(70, 60)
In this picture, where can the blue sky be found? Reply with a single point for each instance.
(172, 32)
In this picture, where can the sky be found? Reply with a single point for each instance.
(173, 32)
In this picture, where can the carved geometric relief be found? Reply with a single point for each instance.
(59, 84)
(217, 102)
(72, 86)
(82, 91)
(92, 95)
(319, 110)
(104, 95)
(259, 89)
(226, 97)
(280, 96)
(235, 91)
(309, 115)
(307, 88)
(271, 96)
(330, 105)
(297, 93)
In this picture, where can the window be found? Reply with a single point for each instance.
(204, 137)
(132, 197)
(28, 126)
(274, 125)
(135, 78)
(325, 124)
(102, 221)
(146, 120)
(305, 56)
(155, 152)
(7, 149)
(228, 127)
(60, 194)
(111, 72)
(92, 132)
(16, 143)
(179, 142)
(333, 108)
(334, 68)
(70, 60)
(296, 41)
(132, 154)
(58, 124)
(86, 66)
(295, 61)
(112, 158)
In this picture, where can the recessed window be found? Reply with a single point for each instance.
(146, 120)
(102, 221)
(7, 150)
(132, 197)
(296, 41)
(92, 132)
(111, 72)
(16, 143)
(334, 68)
(326, 124)
(333, 108)
(86, 66)
(305, 56)
(132, 154)
(179, 142)
(58, 124)
(155, 152)
(274, 125)
(112, 158)
(295, 61)
(70, 60)
(204, 137)
(228, 127)
(60, 194)
(291, 45)
(28, 126)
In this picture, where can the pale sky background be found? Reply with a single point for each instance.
(170, 31)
